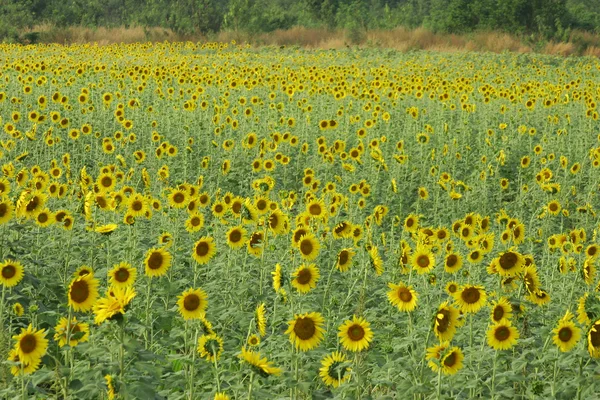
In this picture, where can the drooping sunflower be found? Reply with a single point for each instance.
(309, 247)
(344, 259)
(277, 278)
(6, 210)
(236, 237)
(31, 345)
(83, 292)
(445, 322)
(123, 275)
(18, 309)
(335, 369)
(566, 333)
(157, 262)
(305, 277)
(83, 270)
(11, 273)
(261, 365)
(210, 347)
(195, 222)
(192, 303)
(471, 298)
(501, 309)
(402, 296)
(204, 249)
(260, 317)
(376, 261)
(105, 229)
(422, 260)
(24, 368)
(278, 222)
(114, 304)
(593, 340)
(502, 335)
(355, 334)
(306, 330)
(79, 332)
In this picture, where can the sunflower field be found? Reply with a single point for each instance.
(214, 221)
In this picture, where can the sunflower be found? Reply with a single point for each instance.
(178, 198)
(22, 368)
(204, 250)
(253, 340)
(278, 222)
(411, 223)
(402, 296)
(593, 340)
(566, 334)
(122, 275)
(355, 334)
(137, 206)
(306, 330)
(31, 204)
(194, 223)
(106, 229)
(83, 292)
(114, 304)
(502, 335)
(11, 273)
(31, 345)
(501, 309)
(210, 347)
(452, 263)
(305, 277)
(261, 319)
(255, 245)
(422, 260)
(236, 237)
(192, 303)
(110, 392)
(375, 260)
(157, 262)
(510, 263)
(6, 210)
(449, 360)
(539, 297)
(344, 259)
(316, 209)
(309, 247)
(470, 298)
(18, 309)
(277, 278)
(335, 369)
(261, 365)
(445, 322)
(79, 332)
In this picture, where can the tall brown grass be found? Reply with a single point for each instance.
(401, 39)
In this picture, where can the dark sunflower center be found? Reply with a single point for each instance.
(410, 222)
(235, 236)
(28, 343)
(451, 260)
(255, 239)
(236, 207)
(423, 261)
(42, 217)
(273, 221)
(356, 332)
(155, 260)
(340, 228)
(80, 291)
(443, 320)
(305, 328)
(450, 360)
(3, 209)
(306, 247)
(137, 205)
(304, 276)
(592, 251)
(315, 209)
(299, 233)
(470, 295)
(106, 181)
(32, 205)
(343, 257)
(565, 334)
(502, 333)
(122, 275)
(594, 336)
(202, 249)
(9, 271)
(218, 208)
(498, 313)
(405, 295)
(191, 302)
(178, 198)
(508, 260)
(261, 205)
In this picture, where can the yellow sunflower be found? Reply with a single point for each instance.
(122, 274)
(204, 249)
(194, 223)
(306, 330)
(402, 296)
(422, 260)
(356, 334)
(501, 309)
(79, 332)
(470, 298)
(566, 333)
(31, 345)
(157, 262)
(335, 369)
(210, 347)
(502, 335)
(192, 303)
(83, 292)
(376, 261)
(309, 247)
(261, 319)
(236, 237)
(445, 322)
(344, 259)
(449, 360)
(114, 304)
(261, 365)
(452, 263)
(305, 277)
(22, 368)
(11, 273)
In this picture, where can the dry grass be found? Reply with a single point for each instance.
(401, 39)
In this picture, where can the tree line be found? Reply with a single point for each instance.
(548, 19)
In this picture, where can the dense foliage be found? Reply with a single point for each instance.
(546, 18)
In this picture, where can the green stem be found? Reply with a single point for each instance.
(494, 376)
(148, 319)
(250, 386)
(439, 384)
